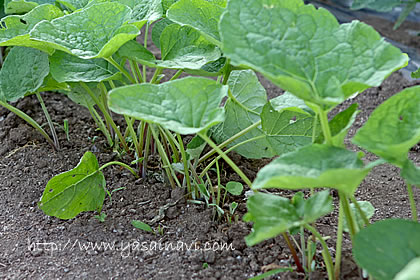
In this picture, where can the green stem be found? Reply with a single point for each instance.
(339, 242)
(133, 134)
(185, 161)
(177, 74)
(323, 117)
(294, 253)
(226, 158)
(314, 128)
(218, 183)
(49, 120)
(167, 164)
(121, 68)
(413, 207)
(29, 120)
(106, 115)
(146, 35)
(101, 125)
(302, 246)
(172, 142)
(120, 164)
(325, 253)
(133, 71)
(230, 140)
(146, 149)
(158, 71)
(227, 151)
(104, 95)
(351, 223)
(227, 72)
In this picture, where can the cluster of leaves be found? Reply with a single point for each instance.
(88, 50)
(386, 6)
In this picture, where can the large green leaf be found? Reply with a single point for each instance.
(143, 11)
(17, 28)
(281, 131)
(186, 106)
(393, 128)
(199, 14)
(23, 6)
(23, 72)
(182, 47)
(378, 5)
(69, 68)
(386, 247)
(72, 192)
(314, 166)
(97, 31)
(305, 51)
(273, 214)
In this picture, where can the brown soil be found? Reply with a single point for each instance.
(27, 163)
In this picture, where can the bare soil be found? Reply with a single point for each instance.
(34, 246)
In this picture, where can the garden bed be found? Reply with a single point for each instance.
(27, 162)
(190, 241)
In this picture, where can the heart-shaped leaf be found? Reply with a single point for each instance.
(23, 6)
(23, 72)
(386, 247)
(186, 106)
(305, 51)
(75, 191)
(17, 28)
(142, 10)
(96, 31)
(69, 68)
(282, 131)
(393, 128)
(314, 166)
(182, 47)
(234, 188)
(273, 214)
(201, 15)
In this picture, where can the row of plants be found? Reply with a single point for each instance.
(386, 6)
(87, 50)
